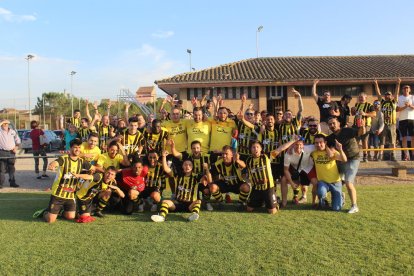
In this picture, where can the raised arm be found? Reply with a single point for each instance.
(300, 102)
(174, 151)
(397, 89)
(88, 115)
(167, 169)
(127, 105)
(314, 94)
(377, 89)
(283, 147)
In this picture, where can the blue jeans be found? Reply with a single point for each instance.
(336, 191)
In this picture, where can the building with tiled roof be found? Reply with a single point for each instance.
(267, 81)
(145, 94)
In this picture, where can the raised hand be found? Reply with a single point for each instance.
(338, 145)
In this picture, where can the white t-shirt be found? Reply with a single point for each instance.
(306, 164)
(408, 113)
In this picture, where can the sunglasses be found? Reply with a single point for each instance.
(313, 125)
(279, 113)
(249, 114)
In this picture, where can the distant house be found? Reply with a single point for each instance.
(267, 81)
(145, 94)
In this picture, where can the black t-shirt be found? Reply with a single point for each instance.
(344, 112)
(325, 108)
(346, 137)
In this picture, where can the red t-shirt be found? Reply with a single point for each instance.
(129, 180)
(34, 135)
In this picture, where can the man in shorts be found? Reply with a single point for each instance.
(348, 170)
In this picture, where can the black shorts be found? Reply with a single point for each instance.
(148, 191)
(257, 197)
(406, 127)
(304, 179)
(182, 206)
(56, 204)
(226, 188)
(277, 170)
(85, 206)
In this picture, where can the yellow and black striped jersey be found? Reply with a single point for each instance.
(131, 142)
(287, 130)
(309, 138)
(65, 184)
(83, 134)
(104, 133)
(186, 187)
(155, 176)
(260, 172)
(197, 162)
(75, 121)
(229, 173)
(246, 136)
(270, 140)
(88, 190)
(367, 108)
(389, 109)
(155, 141)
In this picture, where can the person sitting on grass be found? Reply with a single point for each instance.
(132, 182)
(261, 177)
(65, 184)
(327, 171)
(186, 191)
(96, 188)
(227, 175)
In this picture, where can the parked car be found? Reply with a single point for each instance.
(55, 141)
(20, 132)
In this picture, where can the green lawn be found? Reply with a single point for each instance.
(298, 240)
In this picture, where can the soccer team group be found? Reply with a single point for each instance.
(125, 164)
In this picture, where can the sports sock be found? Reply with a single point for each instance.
(218, 196)
(164, 209)
(196, 208)
(243, 196)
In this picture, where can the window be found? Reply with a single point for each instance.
(275, 91)
(336, 90)
(252, 92)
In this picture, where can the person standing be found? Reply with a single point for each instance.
(327, 107)
(9, 141)
(389, 109)
(348, 169)
(38, 149)
(344, 110)
(363, 112)
(406, 123)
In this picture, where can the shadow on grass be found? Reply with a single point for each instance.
(21, 206)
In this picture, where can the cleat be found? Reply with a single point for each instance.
(39, 213)
(354, 209)
(302, 200)
(241, 206)
(193, 217)
(157, 218)
(209, 207)
(295, 200)
(228, 198)
(98, 214)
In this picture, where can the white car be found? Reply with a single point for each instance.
(54, 144)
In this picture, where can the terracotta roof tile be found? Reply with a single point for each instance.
(302, 68)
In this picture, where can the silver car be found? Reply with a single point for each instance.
(54, 144)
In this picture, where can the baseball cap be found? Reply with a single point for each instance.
(388, 93)
(5, 121)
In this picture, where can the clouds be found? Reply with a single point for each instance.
(162, 34)
(9, 16)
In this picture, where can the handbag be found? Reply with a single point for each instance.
(295, 175)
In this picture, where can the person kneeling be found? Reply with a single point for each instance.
(327, 172)
(186, 191)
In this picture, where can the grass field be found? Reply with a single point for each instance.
(298, 240)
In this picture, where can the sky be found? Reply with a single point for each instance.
(114, 45)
